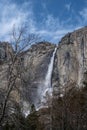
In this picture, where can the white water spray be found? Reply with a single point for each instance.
(47, 91)
(44, 90)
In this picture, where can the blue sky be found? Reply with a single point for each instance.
(51, 19)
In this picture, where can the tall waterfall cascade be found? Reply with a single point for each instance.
(47, 88)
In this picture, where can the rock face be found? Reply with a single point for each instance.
(70, 65)
(5, 49)
(37, 60)
(71, 60)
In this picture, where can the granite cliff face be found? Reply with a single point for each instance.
(5, 49)
(72, 57)
(37, 60)
(70, 66)
(71, 60)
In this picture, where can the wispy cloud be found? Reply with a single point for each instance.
(68, 6)
(52, 29)
(49, 27)
(10, 14)
(83, 13)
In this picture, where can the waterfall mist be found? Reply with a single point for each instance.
(45, 90)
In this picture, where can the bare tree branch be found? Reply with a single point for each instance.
(21, 40)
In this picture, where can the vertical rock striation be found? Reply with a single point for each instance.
(71, 60)
(70, 66)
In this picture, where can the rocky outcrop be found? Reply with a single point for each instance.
(71, 60)
(36, 60)
(70, 66)
(5, 50)
(72, 57)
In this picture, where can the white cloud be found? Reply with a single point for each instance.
(10, 14)
(83, 13)
(68, 6)
(49, 27)
(52, 29)
(44, 6)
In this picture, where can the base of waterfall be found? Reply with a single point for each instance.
(45, 90)
(44, 103)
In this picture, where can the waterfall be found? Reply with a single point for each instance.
(47, 91)
(44, 89)
(50, 69)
